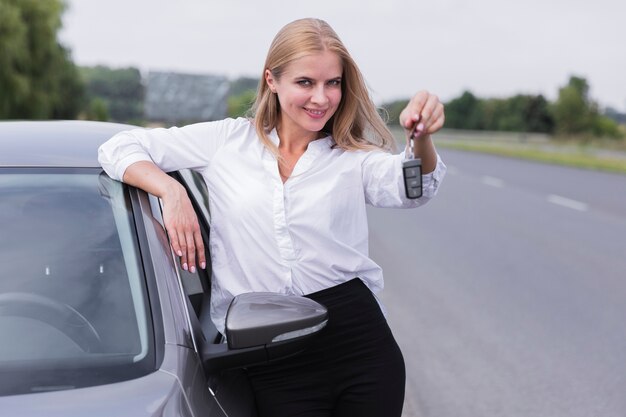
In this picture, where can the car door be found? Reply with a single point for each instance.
(231, 388)
(174, 339)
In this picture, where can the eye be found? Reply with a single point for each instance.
(304, 82)
(336, 82)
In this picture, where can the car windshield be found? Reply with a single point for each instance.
(73, 309)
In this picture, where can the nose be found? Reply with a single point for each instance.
(318, 95)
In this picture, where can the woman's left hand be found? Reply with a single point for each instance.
(424, 114)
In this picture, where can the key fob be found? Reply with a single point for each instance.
(412, 172)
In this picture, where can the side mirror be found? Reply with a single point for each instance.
(261, 327)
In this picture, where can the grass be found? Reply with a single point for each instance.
(609, 156)
(565, 156)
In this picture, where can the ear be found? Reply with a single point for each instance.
(269, 79)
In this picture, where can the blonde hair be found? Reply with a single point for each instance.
(356, 124)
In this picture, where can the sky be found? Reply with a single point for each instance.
(493, 48)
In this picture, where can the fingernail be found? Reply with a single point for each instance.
(193, 269)
(185, 267)
(420, 127)
(416, 117)
(203, 265)
(179, 253)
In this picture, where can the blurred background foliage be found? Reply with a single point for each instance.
(39, 80)
(113, 94)
(572, 114)
(242, 96)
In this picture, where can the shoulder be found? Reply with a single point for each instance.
(364, 156)
(359, 149)
(238, 123)
(226, 126)
(238, 128)
(360, 155)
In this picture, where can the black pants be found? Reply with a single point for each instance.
(353, 368)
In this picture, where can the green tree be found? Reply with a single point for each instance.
(241, 96)
(38, 79)
(604, 126)
(574, 112)
(97, 110)
(238, 105)
(537, 115)
(520, 113)
(121, 90)
(465, 112)
(243, 85)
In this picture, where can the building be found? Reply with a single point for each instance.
(176, 99)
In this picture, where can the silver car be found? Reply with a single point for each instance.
(96, 316)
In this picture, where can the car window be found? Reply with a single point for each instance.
(197, 188)
(73, 308)
(197, 286)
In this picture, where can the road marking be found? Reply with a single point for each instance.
(567, 202)
(492, 181)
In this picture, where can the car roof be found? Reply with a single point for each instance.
(71, 143)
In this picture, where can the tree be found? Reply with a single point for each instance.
(574, 112)
(97, 110)
(120, 90)
(465, 112)
(604, 126)
(537, 115)
(520, 113)
(243, 85)
(242, 94)
(38, 79)
(238, 105)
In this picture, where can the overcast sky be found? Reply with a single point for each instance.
(494, 48)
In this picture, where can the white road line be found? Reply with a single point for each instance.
(492, 181)
(569, 203)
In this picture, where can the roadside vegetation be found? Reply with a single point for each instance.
(574, 114)
(574, 155)
(38, 79)
(573, 131)
(599, 154)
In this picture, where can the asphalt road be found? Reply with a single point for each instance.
(507, 293)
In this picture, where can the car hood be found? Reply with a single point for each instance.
(156, 394)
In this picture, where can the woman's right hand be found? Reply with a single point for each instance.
(179, 217)
(181, 223)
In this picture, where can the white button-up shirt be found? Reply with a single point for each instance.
(305, 235)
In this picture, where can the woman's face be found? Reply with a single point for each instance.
(309, 92)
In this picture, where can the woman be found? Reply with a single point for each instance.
(288, 190)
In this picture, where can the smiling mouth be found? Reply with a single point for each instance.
(315, 113)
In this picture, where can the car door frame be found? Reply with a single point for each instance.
(176, 352)
(229, 389)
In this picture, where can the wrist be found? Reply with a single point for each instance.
(172, 190)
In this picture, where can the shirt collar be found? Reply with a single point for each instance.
(318, 144)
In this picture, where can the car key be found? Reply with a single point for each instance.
(412, 167)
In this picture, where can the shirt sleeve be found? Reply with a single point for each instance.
(383, 182)
(172, 149)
